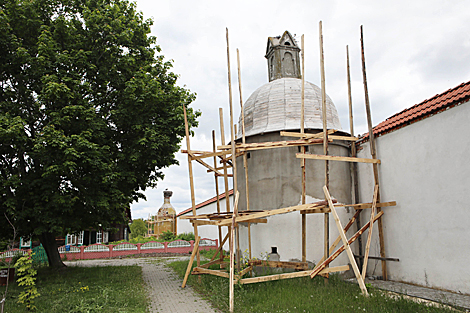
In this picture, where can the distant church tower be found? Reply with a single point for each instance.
(283, 57)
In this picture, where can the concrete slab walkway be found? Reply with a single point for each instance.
(164, 286)
(459, 301)
(454, 299)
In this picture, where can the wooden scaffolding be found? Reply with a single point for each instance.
(227, 154)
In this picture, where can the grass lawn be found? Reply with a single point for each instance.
(299, 295)
(85, 289)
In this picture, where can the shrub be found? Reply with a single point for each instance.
(167, 236)
(186, 236)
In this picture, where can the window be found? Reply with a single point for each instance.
(99, 236)
(105, 236)
(80, 238)
(71, 239)
(24, 243)
(300, 149)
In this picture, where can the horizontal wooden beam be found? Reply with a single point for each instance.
(209, 155)
(280, 264)
(362, 206)
(291, 275)
(335, 158)
(272, 144)
(215, 222)
(266, 213)
(319, 135)
(217, 261)
(194, 152)
(200, 270)
(220, 168)
(307, 135)
(346, 138)
(201, 223)
(378, 258)
(323, 209)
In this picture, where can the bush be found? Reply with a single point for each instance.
(186, 236)
(167, 236)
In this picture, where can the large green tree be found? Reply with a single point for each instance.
(138, 228)
(89, 114)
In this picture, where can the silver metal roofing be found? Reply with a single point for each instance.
(276, 106)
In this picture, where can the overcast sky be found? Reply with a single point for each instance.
(414, 50)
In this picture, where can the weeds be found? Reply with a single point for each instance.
(299, 295)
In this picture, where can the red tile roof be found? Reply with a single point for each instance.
(427, 108)
(209, 201)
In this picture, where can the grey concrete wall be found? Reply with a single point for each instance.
(425, 168)
(275, 182)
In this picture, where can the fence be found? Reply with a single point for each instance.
(100, 251)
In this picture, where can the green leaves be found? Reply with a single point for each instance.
(27, 279)
(88, 114)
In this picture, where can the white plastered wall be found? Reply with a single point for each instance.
(425, 168)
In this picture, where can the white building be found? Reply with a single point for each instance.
(206, 207)
(425, 167)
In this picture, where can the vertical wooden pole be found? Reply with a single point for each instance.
(232, 138)
(353, 165)
(191, 179)
(302, 161)
(232, 256)
(245, 160)
(224, 164)
(214, 149)
(325, 143)
(373, 153)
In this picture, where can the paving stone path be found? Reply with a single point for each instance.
(164, 286)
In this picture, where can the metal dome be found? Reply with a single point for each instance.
(276, 106)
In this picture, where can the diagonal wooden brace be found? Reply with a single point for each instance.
(338, 239)
(190, 264)
(345, 243)
(330, 259)
(369, 235)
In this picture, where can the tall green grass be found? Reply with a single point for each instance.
(85, 289)
(299, 295)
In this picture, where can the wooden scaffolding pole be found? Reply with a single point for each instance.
(353, 165)
(373, 153)
(302, 161)
(224, 162)
(245, 159)
(232, 138)
(232, 256)
(217, 192)
(191, 179)
(325, 143)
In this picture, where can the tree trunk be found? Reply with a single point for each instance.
(50, 245)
